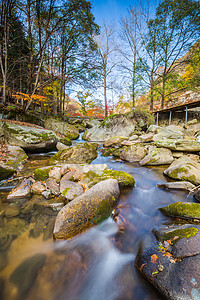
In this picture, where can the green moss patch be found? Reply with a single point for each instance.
(42, 173)
(178, 234)
(183, 210)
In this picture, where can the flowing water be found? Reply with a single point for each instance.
(96, 265)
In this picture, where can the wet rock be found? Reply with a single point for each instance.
(53, 186)
(25, 274)
(11, 159)
(87, 210)
(12, 210)
(184, 169)
(64, 128)
(50, 208)
(179, 185)
(197, 195)
(185, 210)
(114, 141)
(23, 190)
(3, 262)
(70, 189)
(186, 247)
(117, 125)
(158, 156)
(13, 228)
(175, 278)
(80, 154)
(179, 145)
(133, 153)
(40, 226)
(30, 138)
(38, 187)
(55, 174)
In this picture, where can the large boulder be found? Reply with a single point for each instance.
(70, 189)
(80, 154)
(135, 152)
(31, 138)
(184, 169)
(158, 156)
(11, 159)
(87, 210)
(169, 132)
(179, 145)
(62, 127)
(170, 262)
(115, 125)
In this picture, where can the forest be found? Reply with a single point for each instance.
(51, 48)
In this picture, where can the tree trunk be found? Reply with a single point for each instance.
(163, 93)
(105, 95)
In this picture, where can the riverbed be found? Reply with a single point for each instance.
(96, 265)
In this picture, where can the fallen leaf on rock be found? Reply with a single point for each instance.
(154, 258)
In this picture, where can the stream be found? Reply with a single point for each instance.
(96, 265)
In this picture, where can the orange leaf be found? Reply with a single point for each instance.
(154, 258)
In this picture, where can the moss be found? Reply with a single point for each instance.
(66, 141)
(116, 153)
(124, 179)
(103, 212)
(84, 137)
(5, 172)
(104, 123)
(64, 193)
(179, 234)
(42, 173)
(107, 151)
(175, 175)
(183, 210)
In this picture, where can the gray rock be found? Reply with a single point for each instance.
(184, 169)
(187, 247)
(179, 185)
(62, 127)
(146, 137)
(117, 125)
(60, 146)
(80, 154)
(133, 153)
(30, 138)
(158, 156)
(169, 132)
(11, 160)
(55, 174)
(69, 189)
(46, 194)
(53, 186)
(179, 145)
(114, 141)
(90, 208)
(38, 187)
(23, 190)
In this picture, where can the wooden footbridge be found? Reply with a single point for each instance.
(181, 108)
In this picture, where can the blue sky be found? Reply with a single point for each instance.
(110, 10)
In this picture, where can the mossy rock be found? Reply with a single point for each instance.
(124, 179)
(185, 210)
(79, 154)
(42, 173)
(177, 234)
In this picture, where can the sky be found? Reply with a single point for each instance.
(110, 10)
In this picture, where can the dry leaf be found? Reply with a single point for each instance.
(154, 258)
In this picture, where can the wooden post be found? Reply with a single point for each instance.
(170, 117)
(186, 114)
(157, 114)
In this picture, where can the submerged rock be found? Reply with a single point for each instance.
(80, 154)
(11, 159)
(38, 187)
(87, 210)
